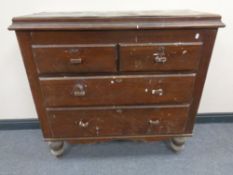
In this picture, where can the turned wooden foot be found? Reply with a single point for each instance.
(56, 147)
(177, 143)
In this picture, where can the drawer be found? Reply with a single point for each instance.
(160, 56)
(117, 121)
(75, 58)
(117, 90)
(116, 36)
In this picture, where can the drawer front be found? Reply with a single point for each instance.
(160, 56)
(117, 90)
(74, 58)
(116, 36)
(94, 122)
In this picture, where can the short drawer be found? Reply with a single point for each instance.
(75, 58)
(160, 56)
(117, 90)
(117, 121)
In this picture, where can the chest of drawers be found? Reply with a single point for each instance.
(107, 76)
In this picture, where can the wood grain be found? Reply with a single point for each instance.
(145, 57)
(58, 58)
(118, 90)
(102, 70)
(101, 122)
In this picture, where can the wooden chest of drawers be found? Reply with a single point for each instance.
(105, 76)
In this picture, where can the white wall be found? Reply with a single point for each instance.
(15, 96)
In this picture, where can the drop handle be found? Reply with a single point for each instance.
(158, 92)
(159, 59)
(79, 90)
(76, 60)
(82, 124)
(159, 55)
(153, 122)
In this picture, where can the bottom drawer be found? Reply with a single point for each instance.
(117, 121)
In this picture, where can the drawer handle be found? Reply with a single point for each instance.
(82, 124)
(76, 60)
(154, 122)
(160, 56)
(158, 92)
(79, 90)
(160, 59)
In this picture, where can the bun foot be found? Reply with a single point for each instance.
(56, 148)
(177, 143)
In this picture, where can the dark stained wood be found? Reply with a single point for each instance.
(201, 76)
(117, 20)
(24, 43)
(114, 37)
(160, 56)
(120, 90)
(66, 123)
(110, 71)
(75, 58)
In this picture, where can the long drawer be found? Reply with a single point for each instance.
(73, 58)
(117, 90)
(117, 121)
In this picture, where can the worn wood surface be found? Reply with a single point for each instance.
(160, 56)
(120, 36)
(91, 122)
(120, 90)
(75, 58)
(117, 20)
(117, 73)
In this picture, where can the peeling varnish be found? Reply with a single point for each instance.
(197, 35)
(119, 110)
(138, 64)
(160, 81)
(118, 80)
(184, 52)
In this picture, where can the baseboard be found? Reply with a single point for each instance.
(17, 124)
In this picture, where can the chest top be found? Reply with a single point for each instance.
(117, 20)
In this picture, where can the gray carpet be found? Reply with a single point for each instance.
(209, 152)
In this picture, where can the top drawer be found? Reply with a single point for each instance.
(75, 58)
(160, 56)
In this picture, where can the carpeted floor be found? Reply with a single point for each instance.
(209, 152)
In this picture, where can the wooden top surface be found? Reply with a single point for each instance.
(116, 20)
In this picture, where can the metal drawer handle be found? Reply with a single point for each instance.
(76, 60)
(158, 92)
(82, 124)
(160, 59)
(160, 56)
(154, 122)
(79, 90)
